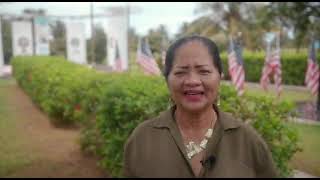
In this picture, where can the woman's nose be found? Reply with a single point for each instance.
(192, 80)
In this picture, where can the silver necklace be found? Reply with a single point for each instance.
(193, 148)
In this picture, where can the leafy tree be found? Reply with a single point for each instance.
(206, 27)
(100, 45)
(230, 18)
(183, 30)
(302, 17)
(156, 37)
(158, 40)
(58, 44)
(133, 40)
(6, 40)
(201, 26)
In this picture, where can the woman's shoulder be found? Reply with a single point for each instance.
(248, 138)
(243, 128)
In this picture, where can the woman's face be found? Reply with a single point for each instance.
(193, 81)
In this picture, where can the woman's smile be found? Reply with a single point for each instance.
(193, 95)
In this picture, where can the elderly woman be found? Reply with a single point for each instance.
(194, 138)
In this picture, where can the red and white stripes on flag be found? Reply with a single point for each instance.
(312, 75)
(163, 56)
(146, 60)
(163, 51)
(272, 66)
(236, 69)
(117, 62)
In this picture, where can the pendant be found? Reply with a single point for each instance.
(209, 133)
(203, 143)
(193, 149)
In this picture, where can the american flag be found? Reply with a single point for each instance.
(146, 60)
(272, 66)
(118, 63)
(163, 51)
(312, 75)
(163, 56)
(236, 69)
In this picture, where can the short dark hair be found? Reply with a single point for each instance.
(212, 48)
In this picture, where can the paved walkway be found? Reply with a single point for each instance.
(54, 152)
(305, 121)
(272, 86)
(300, 174)
(5, 70)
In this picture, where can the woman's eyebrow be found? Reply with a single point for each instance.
(182, 67)
(202, 65)
(197, 66)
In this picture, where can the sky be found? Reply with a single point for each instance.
(146, 15)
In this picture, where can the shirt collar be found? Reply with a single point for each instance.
(224, 122)
(166, 119)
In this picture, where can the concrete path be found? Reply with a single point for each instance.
(300, 174)
(5, 70)
(305, 121)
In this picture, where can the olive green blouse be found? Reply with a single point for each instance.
(155, 149)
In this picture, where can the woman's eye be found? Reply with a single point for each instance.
(204, 72)
(179, 72)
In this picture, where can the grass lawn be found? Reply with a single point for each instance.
(309, 159)
(288, 94)
(12, 152)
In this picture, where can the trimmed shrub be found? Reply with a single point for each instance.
(67, 92)
(294, 66)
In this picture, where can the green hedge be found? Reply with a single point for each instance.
(294, 66)
(67, 92)
(117, 103)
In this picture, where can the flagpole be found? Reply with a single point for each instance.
(318, 101)
(279, 51)
(1, 43)
(128, 34)
(34, 39)
(92, 35)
